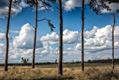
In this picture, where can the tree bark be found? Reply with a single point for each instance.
(60, 67)
(82, 38)
(113, 27)
(35, 33)
(7, 36)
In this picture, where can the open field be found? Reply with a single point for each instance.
(100, 71)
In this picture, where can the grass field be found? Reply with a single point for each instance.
(71, 72)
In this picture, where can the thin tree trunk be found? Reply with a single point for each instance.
(60, 67)
(7, 37)
(113, 41)
(82, 38)
(35, 34)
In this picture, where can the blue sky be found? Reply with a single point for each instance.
(97, 39)
(72, 19)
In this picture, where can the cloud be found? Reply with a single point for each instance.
(18, 53)
(23, 4)
(42, 54)
(21, 45)
(71, 4)
(3, 3)
(98, 45)
(25, 39)
(2, 36)
(69, 37)
(99, 39)
(16, 7)
(112, 7)
(52, 38)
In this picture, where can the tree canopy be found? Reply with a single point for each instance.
(104, 6)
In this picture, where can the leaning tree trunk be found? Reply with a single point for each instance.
(60, 67)
(82, 38)
(113, 41)
(35, 33)
(7, 36)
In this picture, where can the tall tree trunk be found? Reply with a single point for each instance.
(60, 67)
(7, 36)
(113, 41)
(35, 33)
(82, 37)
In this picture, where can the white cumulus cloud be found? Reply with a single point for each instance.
(52, 38)
(69, 37)
(71, 4)
(25, 39)
(99, 39)
(96, 40)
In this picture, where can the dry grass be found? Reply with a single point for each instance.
(74, 73)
